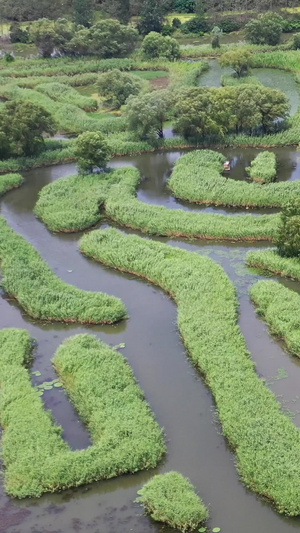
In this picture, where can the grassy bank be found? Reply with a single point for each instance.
(271, 261)
(280, 307)
(103, 390)
(263, 168)
(28, 278)
(74, 203)
(266, 443)
(10, 181)
(171, 498)
(197, 177)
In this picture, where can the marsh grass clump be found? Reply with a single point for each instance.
(171, 498)
(28, 278)
(115, 196)
(271, 261)
(102, 387)
(280, 307)
(64, 93)
(197, 177)
(10, 181)
(265, 441)
(263, 168)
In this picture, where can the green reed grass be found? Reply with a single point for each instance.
(171, 498)
(74, 203)
(102, 387)
(197, 177)
(64, 93)
(10, 181)
(265, 441)
(28, 278)
(280, 308)
(270, 260)
(263, 168)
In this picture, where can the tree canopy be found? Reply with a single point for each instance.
(239, 60)
(116, 86)
(266, 29)
(91, 151)
(146, 114)
(156, 45)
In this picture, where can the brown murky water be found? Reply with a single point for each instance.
(182, 403)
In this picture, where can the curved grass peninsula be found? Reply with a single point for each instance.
(266, 443)
(270, 260)
(78, 202)
(101, 385)
(197, 177)
(10, 181)
(280, 307)
(28, 278)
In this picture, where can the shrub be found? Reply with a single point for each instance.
(229, 25)
(116, 86)
(288, 238)
(240, 60)
(91, 151)
(176, 23)
(155, 45)
(198, 24)
(265, 440)
(296, 42)
(266, 29)
(42, 294)
(103, 390)
(171, 498)
(263, 168)
(18, 34)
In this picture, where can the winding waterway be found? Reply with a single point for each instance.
(182, 403)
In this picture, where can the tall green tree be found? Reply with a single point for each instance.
(91, 150)
(147, 113)
(266, 29)
(119, 9)
(240, 60)
(83, 12)
(151, 17)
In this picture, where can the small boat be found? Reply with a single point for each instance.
(226, 165)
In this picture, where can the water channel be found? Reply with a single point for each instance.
(182, 403)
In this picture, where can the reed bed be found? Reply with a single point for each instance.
(28, 278)
(101, 385)
(197, 177)
(263, 168)
(74, 203)
(171, 498)
(271, 261)
(265, 441)
(64, 93)
(10, 181)
(280, 308)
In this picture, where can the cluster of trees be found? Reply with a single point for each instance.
(106, 38)
(116, 86)
(266, 29)
(22, 129)
(200, 112)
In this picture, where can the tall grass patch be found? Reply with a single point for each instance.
(271, 261)
(28, 278)
(280, 307)
(171, 498)
(197, 177)
(263, 168)
(265, 441)
(10, 181)
(101, 385)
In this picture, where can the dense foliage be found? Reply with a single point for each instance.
(147, 113)
(265, 440)
(116, 86)
(151, 17)
(266, 29)
(91, 151)
(156, 46)
(239, 60)
(22, 128)
(102, 387)
(10, 181)
(171, 498)
(28, 278)
(288, 238)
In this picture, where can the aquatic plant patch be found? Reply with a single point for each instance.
(171, 498)
(266, 443)
(28, 278)
(280, 307)
(270, 260)
(263, 168)
(197, 177)
(74, 203)
(9, 181)
(101, 385)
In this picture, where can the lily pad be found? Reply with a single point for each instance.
(216, 530)
(37, 373)
(58, 384)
